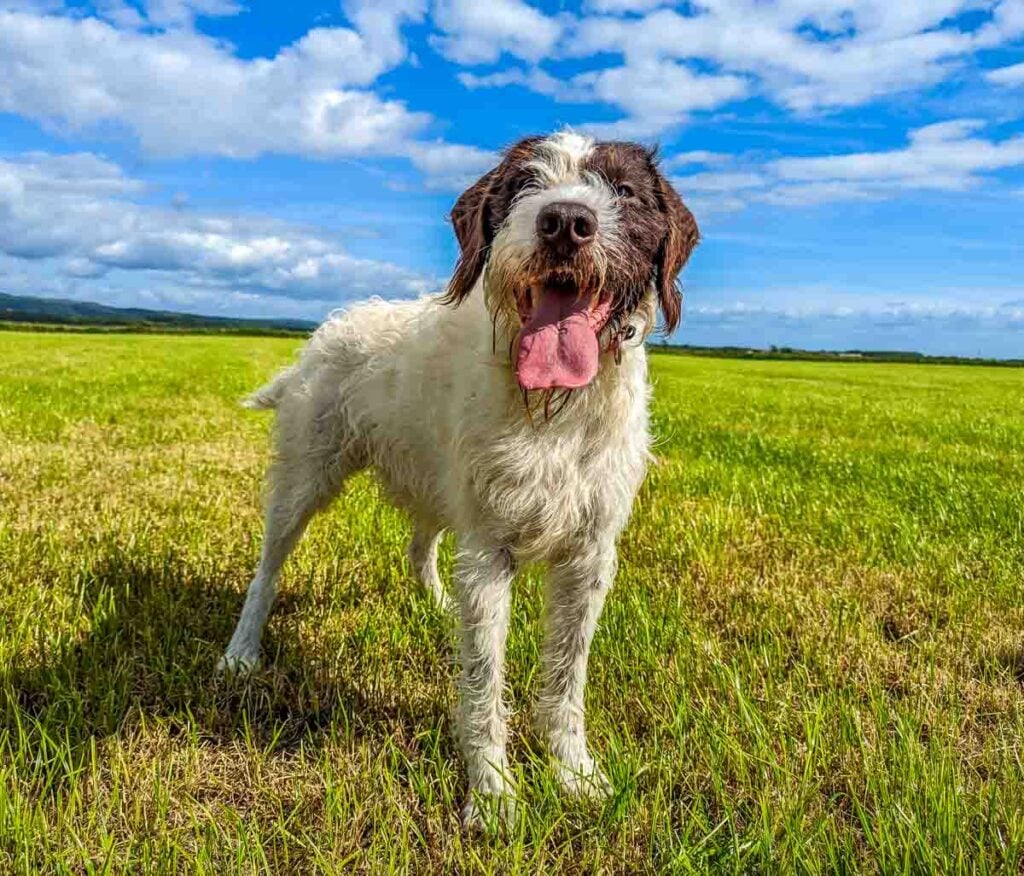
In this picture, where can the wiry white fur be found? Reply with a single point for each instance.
(559, 157)
(514, 244)
(420, 393)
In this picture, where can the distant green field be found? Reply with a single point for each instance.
(812, 659)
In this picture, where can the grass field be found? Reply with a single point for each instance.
(812, 659)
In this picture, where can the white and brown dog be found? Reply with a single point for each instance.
(513, 411)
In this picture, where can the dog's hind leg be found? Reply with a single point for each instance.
(423, 559)
(300, 485)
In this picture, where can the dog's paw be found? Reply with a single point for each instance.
(238, 665)
(492, 794)
(586, 781)
(488, 811)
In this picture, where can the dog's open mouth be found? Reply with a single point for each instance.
(558, 346)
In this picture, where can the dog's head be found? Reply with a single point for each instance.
(572, 238)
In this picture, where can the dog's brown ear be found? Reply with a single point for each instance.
(479, 212)
(472, 220)
(675, 249)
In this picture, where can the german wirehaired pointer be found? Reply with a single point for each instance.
(512, 410)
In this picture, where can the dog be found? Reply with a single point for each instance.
(511, 410)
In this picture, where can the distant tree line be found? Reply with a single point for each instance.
(22, 312)
(796, 353)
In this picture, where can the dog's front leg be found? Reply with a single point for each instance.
(483, 583)
(576, 590)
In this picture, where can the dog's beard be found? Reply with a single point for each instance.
(555, 313)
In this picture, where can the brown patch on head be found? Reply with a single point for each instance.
(683, 235)
(480, 212)
(656, 230)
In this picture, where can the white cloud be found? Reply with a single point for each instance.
(805, 55)
(726, 181)
(946, 156)
(534, 79)
(145, 69)
(478, 33)
(1007, 23)
(695, 157)
(621, 6)
(380, 23)
(179, 13)
(813, 193)
(873, 48)
(77, 211)
(79, 173)
(655, 95)
(181, 93)
(37, 6)
(1009, 76)
(450, 165)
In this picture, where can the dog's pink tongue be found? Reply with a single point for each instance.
(558, 344)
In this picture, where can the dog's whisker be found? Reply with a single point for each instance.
(526, 404)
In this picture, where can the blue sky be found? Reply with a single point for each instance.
(857, 168)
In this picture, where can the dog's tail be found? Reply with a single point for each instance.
(269, 396)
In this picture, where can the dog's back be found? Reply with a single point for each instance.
(384, 384)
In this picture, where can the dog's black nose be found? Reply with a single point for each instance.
(566, 226)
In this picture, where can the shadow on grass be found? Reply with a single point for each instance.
(148, 654)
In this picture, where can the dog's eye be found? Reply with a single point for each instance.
(624, 190)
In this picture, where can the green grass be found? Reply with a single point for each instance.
(811, 661)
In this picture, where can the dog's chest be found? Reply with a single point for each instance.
(549, 485)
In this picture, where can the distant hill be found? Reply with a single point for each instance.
(65, 312)
(56, 314)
